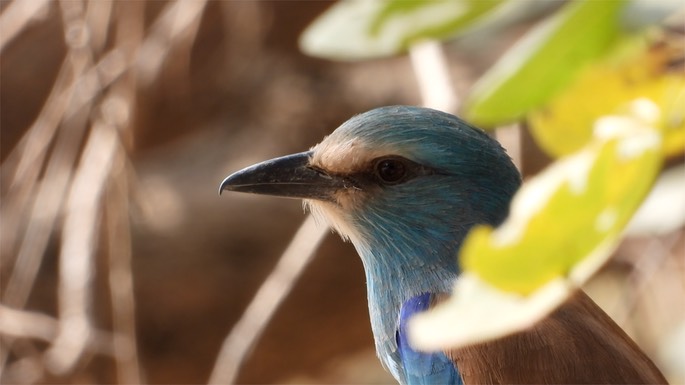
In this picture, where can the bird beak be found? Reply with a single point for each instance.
(289, 176)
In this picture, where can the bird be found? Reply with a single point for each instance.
(405, 184)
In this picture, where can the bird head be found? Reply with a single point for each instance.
(404, 184)
(408, 180)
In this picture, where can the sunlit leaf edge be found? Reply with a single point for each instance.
(636, 68)
(558, 217)
(362, 30)
(542, 63)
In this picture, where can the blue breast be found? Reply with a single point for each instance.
(420, 367)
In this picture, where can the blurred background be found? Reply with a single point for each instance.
(119, 261)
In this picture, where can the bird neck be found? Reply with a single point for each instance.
(393, 276)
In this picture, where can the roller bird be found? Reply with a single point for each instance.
(405, 185)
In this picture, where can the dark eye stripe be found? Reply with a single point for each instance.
(389, 170)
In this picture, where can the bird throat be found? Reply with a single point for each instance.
(397, 269)
(392, 280)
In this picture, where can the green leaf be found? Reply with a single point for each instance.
(571, 214)
(639, 70)
(365, 29)
(563, 226)
(544, 62)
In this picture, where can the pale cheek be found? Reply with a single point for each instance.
(335, 217)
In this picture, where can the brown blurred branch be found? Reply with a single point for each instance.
(23, 324)
(16, 16)
(79, 240)
(644, 271)
(120, 274)
(432, 74)
(274, 290)
(47, 201)
(41, 173)
(176, 27)
(34, 325)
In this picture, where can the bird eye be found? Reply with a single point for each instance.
(390, 170)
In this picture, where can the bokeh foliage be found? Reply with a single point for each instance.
(603, 91)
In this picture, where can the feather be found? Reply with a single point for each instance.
(422, 368)
(408, 231)
(577, 344)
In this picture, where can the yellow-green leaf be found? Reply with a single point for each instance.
(612, 86)
(572, 212)
(545, 61)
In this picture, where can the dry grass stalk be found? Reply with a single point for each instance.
(47, 189)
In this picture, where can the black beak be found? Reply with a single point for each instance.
(289, 176)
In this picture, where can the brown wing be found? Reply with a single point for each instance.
(577, 344)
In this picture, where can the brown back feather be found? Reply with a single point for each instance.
(577, 344)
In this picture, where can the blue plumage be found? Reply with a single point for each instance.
(408, 234)
(404, 184)
(422, 367)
